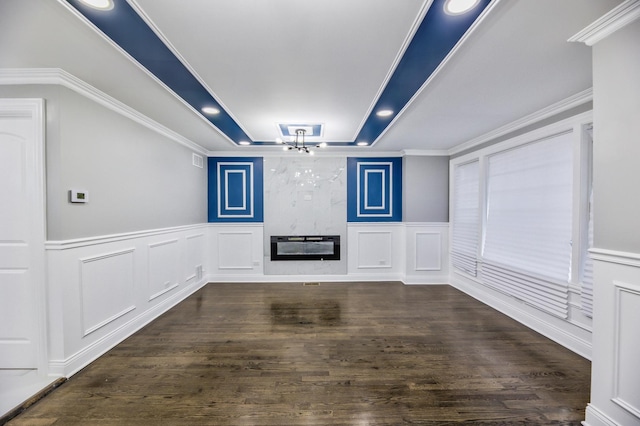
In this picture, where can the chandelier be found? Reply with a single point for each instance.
(299, 143)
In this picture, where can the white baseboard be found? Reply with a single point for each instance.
(88, 354)
(537, 323)
(595, 417)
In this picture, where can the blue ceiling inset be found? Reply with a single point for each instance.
(437, 34)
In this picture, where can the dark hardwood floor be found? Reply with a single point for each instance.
(331, 354)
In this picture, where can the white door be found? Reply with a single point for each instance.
(22, 228)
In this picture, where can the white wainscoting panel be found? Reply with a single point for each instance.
(428, 256)
(375, 251)
(236, 251)
(427, 259)
(196, 246)
(164, 258)
(103, 289)
(615, 376)
(627, 347)
(106, 288)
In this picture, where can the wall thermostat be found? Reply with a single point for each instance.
(78, 196)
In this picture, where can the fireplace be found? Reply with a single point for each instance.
(305, 247)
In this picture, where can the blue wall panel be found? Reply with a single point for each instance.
(374, 189)
(235, 189)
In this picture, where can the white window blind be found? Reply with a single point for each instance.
(466, 226)
(527, 245)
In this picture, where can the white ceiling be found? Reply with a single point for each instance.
(284, 61)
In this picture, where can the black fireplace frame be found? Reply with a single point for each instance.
(301, 239)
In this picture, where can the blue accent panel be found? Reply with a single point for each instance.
(127, 29)
(436, 36)
(235, 189)
(374, 189)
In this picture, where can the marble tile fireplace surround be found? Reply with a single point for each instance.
(305, 196)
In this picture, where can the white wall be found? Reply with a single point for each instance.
(615, 388)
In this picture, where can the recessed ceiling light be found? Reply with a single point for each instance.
(458, 7)
(210, 110)
(384, 113)
(99, 4)
(363, 143)
(244, 143)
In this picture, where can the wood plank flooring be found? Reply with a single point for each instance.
(330, 354)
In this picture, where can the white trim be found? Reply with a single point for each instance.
(595, 417)
(22, 76)
(143, 69)
(619, 288)
(403, 48)
(617, 18)
(71, 365)
(574, 343)
(554, 109)
(614, 256)
(425, 152)
(35, 109)
(439, 68)
(102, 239)
(184, 62)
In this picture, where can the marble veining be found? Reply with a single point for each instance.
(305, 195)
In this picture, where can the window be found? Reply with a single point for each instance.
(466, 217)
(517, 208)
(528, 231)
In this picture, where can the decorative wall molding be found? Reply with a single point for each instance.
(619, 17)
(442, 64)
(625, 380)
(595, 417)
(236, 250)
(554, 109)
(615, 256)
(162, 264)
(56, 76)
(104, 239)
(101, 275)
(374, 189)
(104, 288)
(236, 189)
(428, 256)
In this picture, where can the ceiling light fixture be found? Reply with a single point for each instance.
(210, 110)
(99, 4)
(384, 113)
(363, 143)
(244, 143)
(458, 7)
(299, 143)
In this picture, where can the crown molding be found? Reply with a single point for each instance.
(492, 5)
(554, 109)
(425, 153)
(57, 76)
(619, 17)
